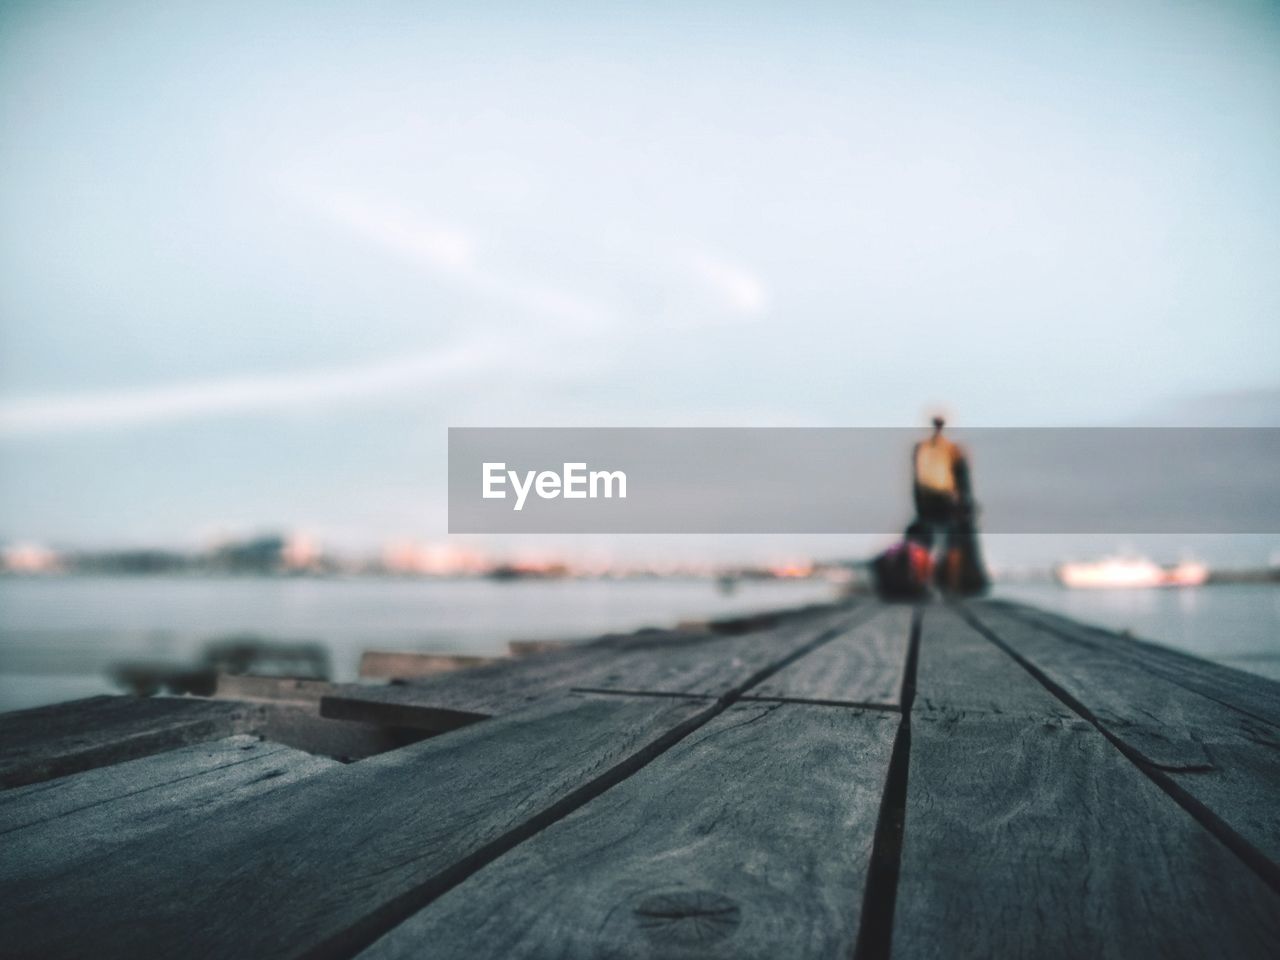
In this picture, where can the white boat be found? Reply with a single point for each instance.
(1120, 573)
(1112, 573)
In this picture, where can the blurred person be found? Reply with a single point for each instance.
(936, 482)
(945, 511)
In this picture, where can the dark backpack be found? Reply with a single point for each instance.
(903, 572)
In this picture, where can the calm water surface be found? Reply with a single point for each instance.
(59, 635)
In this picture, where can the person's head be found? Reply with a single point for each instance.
(938, 423)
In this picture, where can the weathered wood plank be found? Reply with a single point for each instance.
(1225, 759)
(62, 821)
(38, 802)
(1241, 691)
(323, 866)
(704, 665)
(66, 738)
(293, 690)
(750, 838)
(446, 702)
(287, 711)
(713, 666)
(399, 664)
(525, 648)
(404, 705)
(864, 665)
(959, 671)
(1041, 840)
(1165, 723)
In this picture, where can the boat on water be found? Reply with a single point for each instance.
(1186, 574)
(1121, 573)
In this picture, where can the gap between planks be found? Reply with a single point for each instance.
(1049, 623)
(1252, 857)
(373, 926)
(807, 701)
(880, 895)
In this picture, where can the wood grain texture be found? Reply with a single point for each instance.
(1165, 723)
(66, 738)
(59, 822)
(1042, 840)
(38, 802)
(1227, 760)
(454, 700)
(694, 664)
(1245, 692)
(863, 665)
(712, 666)
(959, 671)
(314, 864)
(750, 838)
(446, 702)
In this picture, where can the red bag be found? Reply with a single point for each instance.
(904, 571)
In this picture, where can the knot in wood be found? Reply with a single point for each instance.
(691, 917)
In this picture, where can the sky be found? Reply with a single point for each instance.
(257, 258)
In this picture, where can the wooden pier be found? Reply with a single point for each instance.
(853, 781)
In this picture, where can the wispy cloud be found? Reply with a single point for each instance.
(447, 251)
(282, 392)
(734, 285)
(455, 254)
(438, 246)
(441, 248)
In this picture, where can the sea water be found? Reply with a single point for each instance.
(59, 635)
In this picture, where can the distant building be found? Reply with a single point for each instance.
(259, 555)
(29, 558)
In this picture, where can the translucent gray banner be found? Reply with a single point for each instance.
(858, 480)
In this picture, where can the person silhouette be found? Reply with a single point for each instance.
(946, 512)
(935, 483)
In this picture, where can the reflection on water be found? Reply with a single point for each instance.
(1238, 625)
(59, 636)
